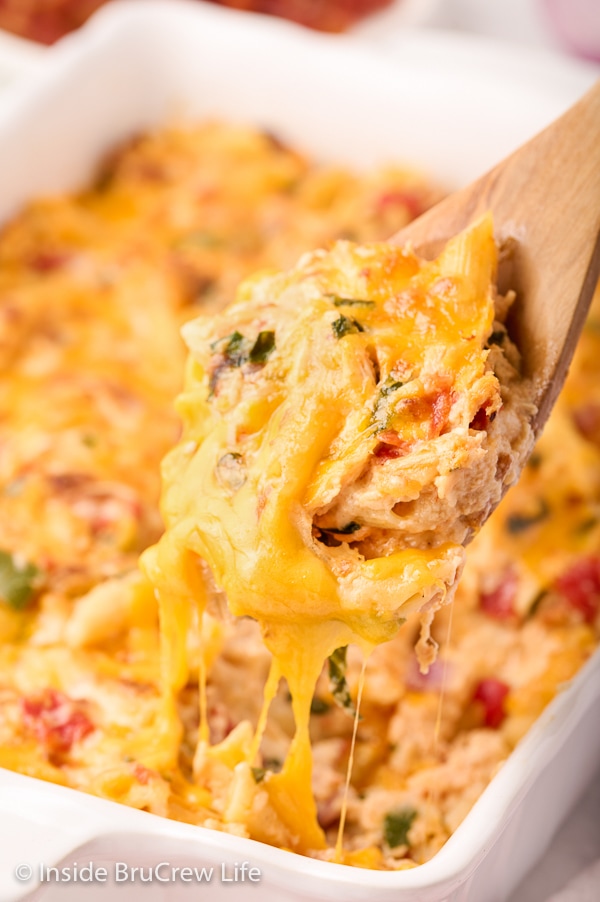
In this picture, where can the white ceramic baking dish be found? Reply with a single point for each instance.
(16, 56)
(140, 64)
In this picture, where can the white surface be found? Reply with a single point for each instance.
(584, 888)
(567, 862)
(517, 21)
(16, 57)
(401, 14)
(435, 103)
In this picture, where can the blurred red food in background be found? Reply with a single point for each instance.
(45, 21)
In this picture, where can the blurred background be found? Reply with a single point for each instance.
(571, 26)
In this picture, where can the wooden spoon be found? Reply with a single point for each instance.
(545, 200)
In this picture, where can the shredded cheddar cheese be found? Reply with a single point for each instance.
(175, 706)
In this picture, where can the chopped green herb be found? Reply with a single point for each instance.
(517, 523)
(235, 351)
(497, 337)
(273, 764)
(587, 525)
(258, 773)
(17, 581)
(337, 680)
(382, 414)
(319, 706)
(346, 530)
(262, 347)
(537, 600)
(350, 302)
(390, 387)
(535, 460)
(345, 326)
(396, 825)
(349, 528)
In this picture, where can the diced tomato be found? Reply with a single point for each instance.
(401, 198)
(491, 693)
(500, 602)
(587, 420)
(103, 506)
(480, 421)
(46, 28)
(142, 774)
(48, 261)
(441, 405)
(580, 585)
(387, 450)
(56, 720)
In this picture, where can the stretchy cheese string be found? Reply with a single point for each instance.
(203, 731)
(438, 719)
(256, 537)
(269, 693)
(340, 836)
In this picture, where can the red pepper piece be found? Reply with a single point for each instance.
(580, 585)
(491, 693)
(500, 602)
(56, 720)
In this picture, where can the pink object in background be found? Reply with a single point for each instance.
(577, 24)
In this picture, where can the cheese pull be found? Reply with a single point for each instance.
(347, 428)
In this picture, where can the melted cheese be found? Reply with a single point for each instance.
(93, 289)
(363, 345)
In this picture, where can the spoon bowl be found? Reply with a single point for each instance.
(545, 200)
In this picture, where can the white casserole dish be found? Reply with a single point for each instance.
(16, 56)
(143, 63)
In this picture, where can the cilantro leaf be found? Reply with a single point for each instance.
(396, 825)
(517, 523)
(337, 680)
(319, 706)
(262, 347)
(350, 302)
(345, 326)
(17, 581)
(235, 352)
